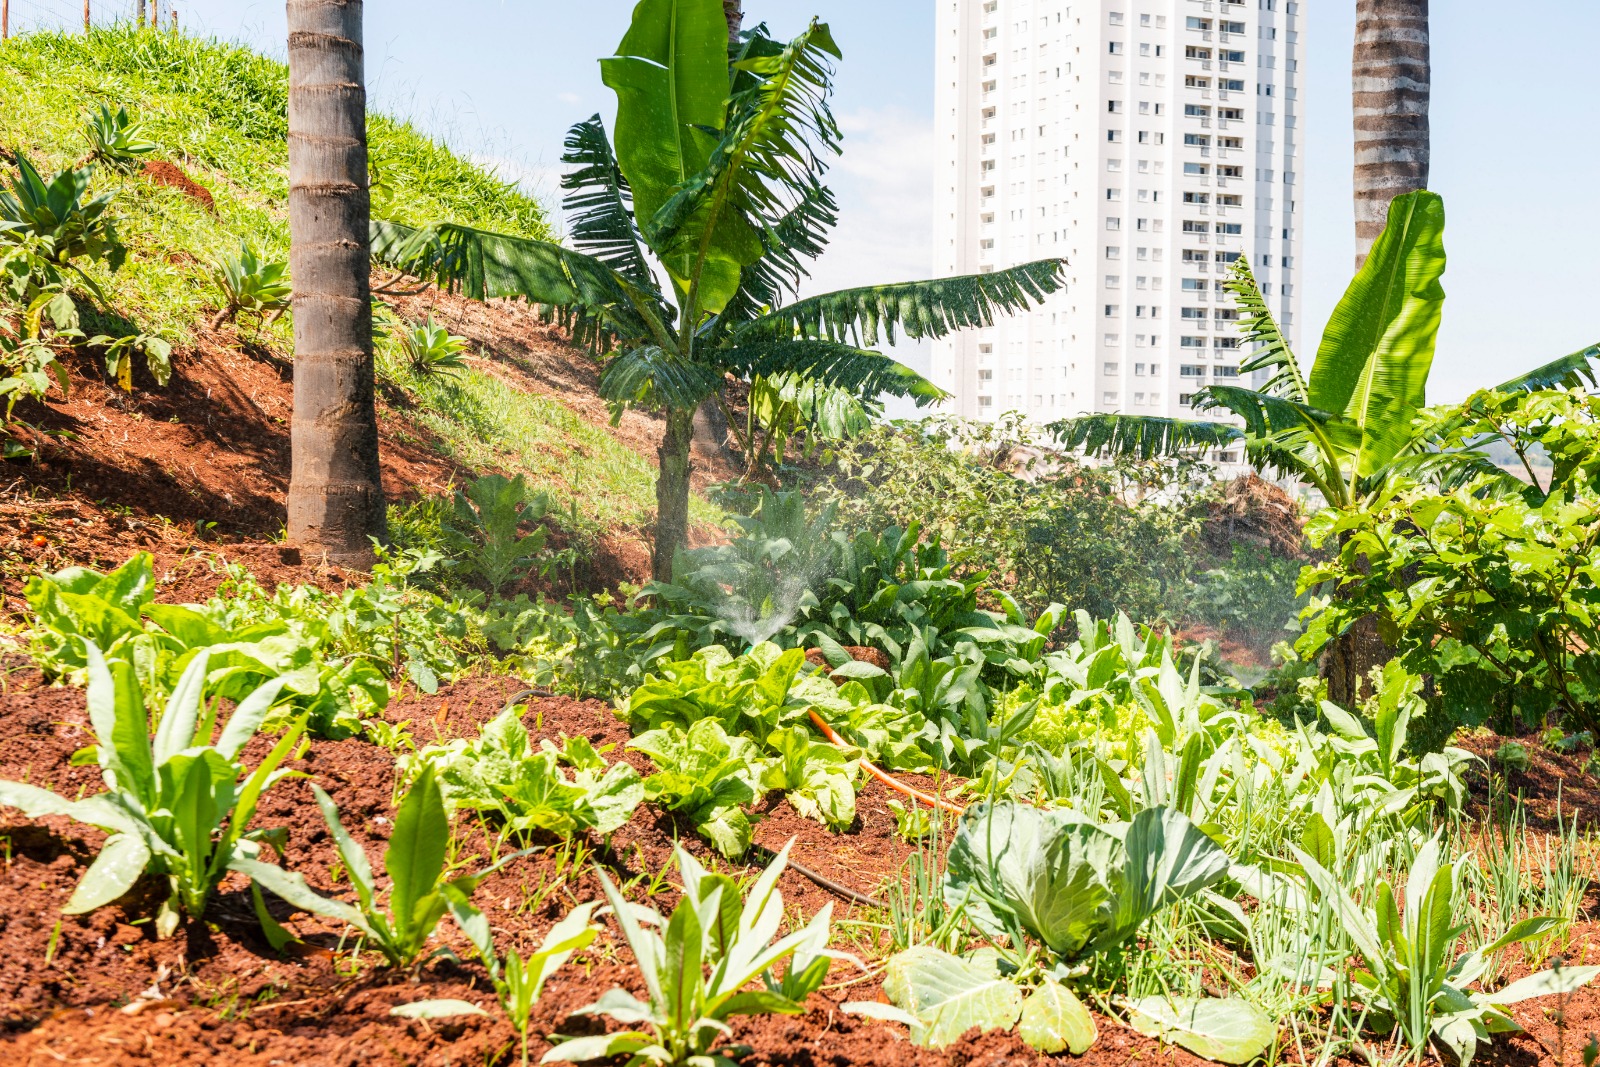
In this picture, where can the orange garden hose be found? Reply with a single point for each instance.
(915, 794)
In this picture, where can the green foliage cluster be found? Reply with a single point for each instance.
(334, 653)
(525, 785)
(711, 930)
(1056, 531)
(1491, 593)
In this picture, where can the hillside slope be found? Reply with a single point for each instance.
(205, 459)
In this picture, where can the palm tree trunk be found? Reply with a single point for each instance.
(672, 492)
(336, 503)
(733, 10)
(1391, 84)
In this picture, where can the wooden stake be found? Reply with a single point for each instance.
(85, 16)
(5, 19)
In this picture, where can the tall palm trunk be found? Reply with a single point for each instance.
(733, 11)
(336, 503)
(1391, 85)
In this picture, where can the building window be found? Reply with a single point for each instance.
(1114, 106)
(1113, 311)
(1197, 140)
(1113, 223)
(1113, 251)
(1232, 229)
(1108, 400)
(1231, 85)
(1110, 370)
(1113, 194)
(1114, 136)
(1113, 281)
(1197, 111)
(1115, 48)
(1113, 339)
(1229, 56)
(1230, 172)
(1227, 372)
(1191, 370)
(1191, 342)
(1191, 52)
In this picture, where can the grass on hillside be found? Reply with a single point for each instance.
(220, 111)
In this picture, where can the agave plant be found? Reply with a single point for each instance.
(249, 283)
(1353, 420)
(431, 349)
(116, 140)
(717, 177)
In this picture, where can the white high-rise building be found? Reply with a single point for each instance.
(1147, 142)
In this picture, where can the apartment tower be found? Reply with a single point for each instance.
(1150, 143)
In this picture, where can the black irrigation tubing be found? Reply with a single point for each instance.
(829, 884)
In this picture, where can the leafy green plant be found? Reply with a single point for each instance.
(431, 349)
(249, 283)
(116, 611)
(419, 892)
(518, 981)
(46, 226)
(688, 1009)
(119, 357)
(706, 773)
(78, 606)
(502, 772)
(1414, 981)
(484, 532)
(116, 140)
(1075, 885)
(176, 804)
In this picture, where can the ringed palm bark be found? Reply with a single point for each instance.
(715, 179)
(1391, 85)
(335, 503)
(1353, 422)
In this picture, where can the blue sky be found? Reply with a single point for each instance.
(1514, 148)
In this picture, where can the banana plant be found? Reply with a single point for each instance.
(1354, 420)
(717, 177)
(176, 804)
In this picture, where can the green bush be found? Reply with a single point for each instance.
(1490, 590)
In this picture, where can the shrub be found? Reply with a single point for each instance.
(431, 349)
(45, 227)
(1486, 585)
(484, 529)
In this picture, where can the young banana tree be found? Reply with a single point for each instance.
(1354, 420)
(689, 240)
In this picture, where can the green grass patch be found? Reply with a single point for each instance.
(220, 111)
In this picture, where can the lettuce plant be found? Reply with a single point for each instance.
(502, 772)
(709, 931)
(176, 804)
(419, 892)
(709, 775)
